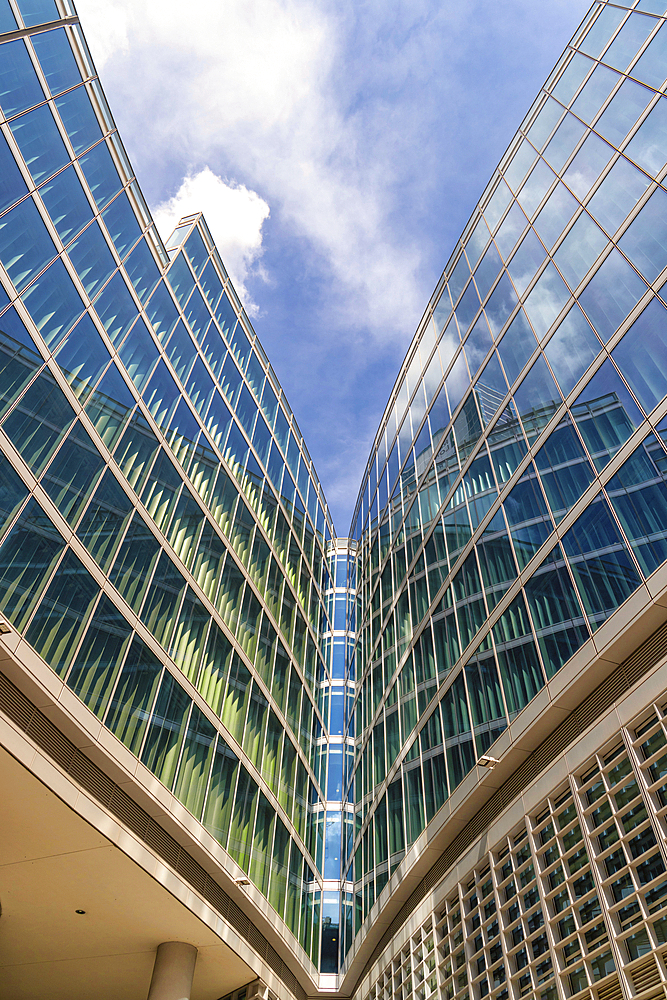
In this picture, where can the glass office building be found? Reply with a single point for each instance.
(427, 760)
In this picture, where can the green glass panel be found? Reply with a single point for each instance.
(73, 473)
(134, 695)
(166, 730)
(61, 616)
(102, 525)
(195, 764)
(100, 655)
(28, 555)
(220, 797)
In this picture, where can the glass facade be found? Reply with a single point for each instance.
(314, 701)
(515, 493)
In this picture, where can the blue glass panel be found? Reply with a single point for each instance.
(580, 249)
(40, 143)
(546, 300)
(25, 245)
(197, 314)
(617, 195)
(587, 165)
(537, 398)
(14, 328)
(477, 345)
(38, 11)
(601, 31)
(652, 6)
(523, 159)
(517, 346)
(109, 406)
(624, 110)
(196, 251)
(211, 284)
(545, 123)
(648, 146)
(82, 357)
(500, 305)
(564, 469)
(571, 349)
(240, 345)
(457, 381)
(533, 191)
(595, 92)
(572, 77)
(92, 258)
(7, 19)
(66, 203)
(526, 261)
(513, 225)
(19, 86)
(606, 414)
(491, 388)
(56, 59)
(650, 68)
(645, 240)
(4, 298)
(568, 134)
(476, 243)
(645, 368)
(559, 623)
(181, 280)
(225, 316)
(162, 313)
(53, 302)
(555, 215)
(639, 496)
(200, 388)
(142, 270)
(181, 351)
(487, 271)
(612, 292)
(139, 354)
(101, 174)
(630, 38)
(116, 308)
(39, 421)
(122, 224)
(161, 395)
(12, 185)
(467, 307)
(79, 119)
(603, 569)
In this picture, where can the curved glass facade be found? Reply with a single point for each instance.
(314, 701)
(515, 496)
(164, 535)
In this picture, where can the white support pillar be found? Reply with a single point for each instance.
(173, 971)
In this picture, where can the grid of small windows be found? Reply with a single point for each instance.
(572, 903)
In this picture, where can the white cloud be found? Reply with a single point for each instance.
(249, 89)
(106, 28)
(234, 215)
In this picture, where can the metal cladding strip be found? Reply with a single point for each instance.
(40, 729)
(643, 659)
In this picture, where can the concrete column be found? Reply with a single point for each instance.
(173, 971)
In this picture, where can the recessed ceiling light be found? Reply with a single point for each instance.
(79, 911)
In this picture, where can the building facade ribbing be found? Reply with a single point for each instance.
(427, 760)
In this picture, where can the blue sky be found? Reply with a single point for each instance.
(337, 150)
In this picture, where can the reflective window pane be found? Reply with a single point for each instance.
(611, 293)
(617, 195)
(645, 240)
